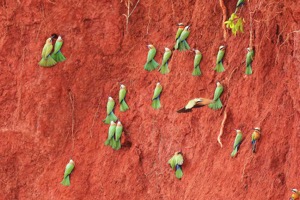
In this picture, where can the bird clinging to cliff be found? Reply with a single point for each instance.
(219, 63)
(69, 168)
(239, 4)
(217, 104)
(181, 43)
(195, 103)
(237, 142)
(197, 60)
(164, 69)
(109, 110)
(47, 60)
(179, 30)
(249, 60)
(57, 54)
(295, 195)
(111, 134)
(156, 96)
(151, 64)
(122, 94)
(118, 135)
(254, 138)
(176, 163)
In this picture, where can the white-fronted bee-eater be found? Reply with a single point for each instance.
(176, 164)
(164, 69)
(197, 60)
(118, 135)
(47, 60)
(57, 54)
(237, 142)
(195, 103)
(179, 30)
(69, 168)
(111, 134)
(249, 60)
(122, 94)
(239, 4)
(295, 195)
(151, 64)
(219, 63)
(110, 111)
(254, 138)
(217, 104)
(181, 43)
(156, 96)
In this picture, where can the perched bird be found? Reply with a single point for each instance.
(118, 135)
(179, 31)
(181, 43)
(219, 64)
(295, 195)
(217, 104)
(122, 94)
(164, 69)
(156, 96)
(151, 64)
(69, 168)
(239, 4)
(47, 60)
(195, 103)
(197, 60)
(57, 55)
(237, 142)
(255, 137)
(109, 110)
(249, 60)
(111, 134)
(176, 163)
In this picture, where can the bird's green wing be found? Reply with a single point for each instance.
(220, 55)
(190, 104)
(151, 54)
(184, 35)
(237, 140)
(122, 94)
(157, 91)
(172, 162)
(47, 50)
(179, 159)
(110, 106)
(68, 170)
(249, 58)
(111, 133)
(119, 130)
(179, 31)
(218, 92)
(166, 57)
(197, 59)
(57, 46)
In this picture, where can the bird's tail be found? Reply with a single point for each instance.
(248, 70)
(113, 143)
(164, 69)
(110, 117)
(148, 66)
(254, 146)
(186, 45)
(118, 145)
(66, 181)
(154, 64)
(156, 103)
(47, 62)
(178, 172)
(216, 104)
(176, 44)
(219, 67)
(58, 57)
(234, 152)
(196, 71)
(107, 141)
(123, 106)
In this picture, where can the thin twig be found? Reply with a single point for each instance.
(96, 114)
(222, 128)
(245, 164)
(224, 13)
(71, 96)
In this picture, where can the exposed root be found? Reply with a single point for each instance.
(245, 165)
(129, 3)
(71, 96)
(222, 129)
(224, 13)
(94, 119)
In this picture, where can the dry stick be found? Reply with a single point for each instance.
(244, 168)
(71, 96)
(224, 13)
(222, 128)
(128, 11)
(251, 28)
(96, 114)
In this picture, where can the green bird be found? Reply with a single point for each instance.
(249, 60)
(122, 94)
(69, 168)
(164, 69)
(57, 54)
(179, 30)
(195, 103)
(118, 135)
(176, 164)
(237, 142)
(151, 64)
(197, 60)
(109, 110)
(217, 104)
(239, 4)
(156, 96)
(181, 43)
(111, 134)
(47, 60)
(219, 64)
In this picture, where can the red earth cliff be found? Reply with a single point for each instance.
(36, 117)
